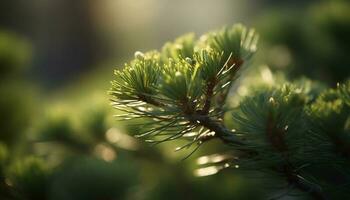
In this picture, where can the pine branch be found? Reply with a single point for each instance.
(183, 91)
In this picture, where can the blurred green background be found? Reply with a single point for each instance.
(58, 137)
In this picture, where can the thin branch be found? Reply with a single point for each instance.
(220, 130)
(302, 184)
(209, 95)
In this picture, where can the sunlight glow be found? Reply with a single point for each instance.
(122, 140)
(215, 158)
(207, 171)
(105, 152)
(267, 76)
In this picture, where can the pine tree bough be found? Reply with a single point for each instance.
(181, 93)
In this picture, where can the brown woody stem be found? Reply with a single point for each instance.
(209, 95)
(299, 182)
(220, 130)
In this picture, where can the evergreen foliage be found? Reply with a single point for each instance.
(182, 93)
(268, 132)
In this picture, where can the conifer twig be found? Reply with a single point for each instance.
(302, 184)
(220, 130)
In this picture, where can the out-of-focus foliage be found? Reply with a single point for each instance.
(30, 177)
(93, 179)
(15, 54)
(310, 41)
(3, 158)
(15, 111)
(16, 100)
